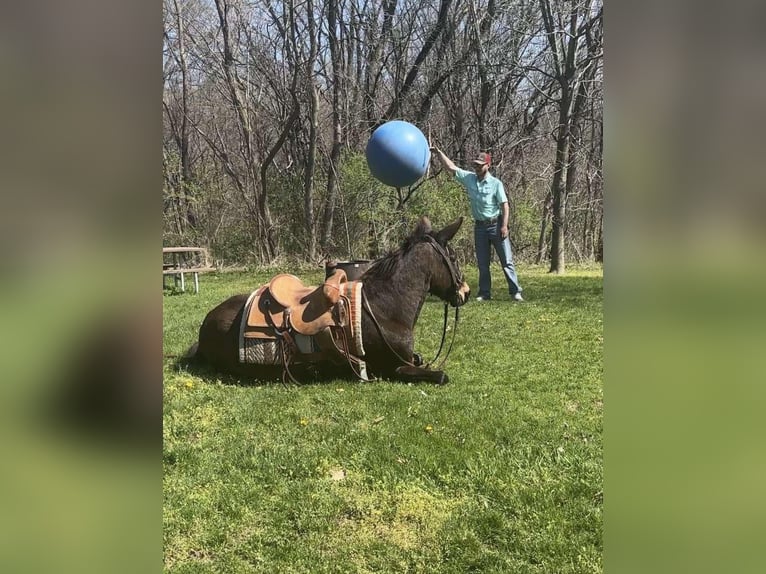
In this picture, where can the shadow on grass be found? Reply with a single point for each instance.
(260, 375)
(172, 291)
(571, 291)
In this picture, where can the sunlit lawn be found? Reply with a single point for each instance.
(498, 471)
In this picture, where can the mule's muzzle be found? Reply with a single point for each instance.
(461, 295)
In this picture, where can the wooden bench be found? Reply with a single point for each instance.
(177, 261)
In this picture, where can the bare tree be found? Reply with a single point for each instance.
(337, 81)
(566, 24)
(178, 118)
(268, 108)
(313, 105)
(375, 43)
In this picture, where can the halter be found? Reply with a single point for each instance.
(456, 282)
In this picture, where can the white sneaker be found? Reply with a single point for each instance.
(518, 297)
(482, 298)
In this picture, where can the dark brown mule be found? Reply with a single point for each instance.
(394, 290)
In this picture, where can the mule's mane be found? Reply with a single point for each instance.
(385, 267)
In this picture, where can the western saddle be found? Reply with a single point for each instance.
(310, 323)
(286, 303)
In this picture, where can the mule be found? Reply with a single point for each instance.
(394, 289)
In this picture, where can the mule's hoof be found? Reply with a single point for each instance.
(417, 359)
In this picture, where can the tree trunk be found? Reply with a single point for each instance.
(588, 218)
(558, 227)
(308, 183)
(570, 179)
(375, 49)
(186, 172)
(541, 242)
(313, 92)
(337, 129)
(486, 80)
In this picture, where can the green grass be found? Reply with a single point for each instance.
(498, 471)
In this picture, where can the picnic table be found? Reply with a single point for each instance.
(176, 261)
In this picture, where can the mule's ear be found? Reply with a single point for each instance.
(449, 232)
(423, 227)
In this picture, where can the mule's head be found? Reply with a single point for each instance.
(447, 280)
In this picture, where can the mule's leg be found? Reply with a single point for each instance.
(412, 374)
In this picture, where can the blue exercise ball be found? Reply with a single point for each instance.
(397, 153)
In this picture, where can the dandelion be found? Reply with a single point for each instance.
(188, 384)
(304, 422)
(429, 428)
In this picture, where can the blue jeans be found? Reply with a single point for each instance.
(484, 237)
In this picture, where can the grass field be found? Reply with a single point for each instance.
(498, 471)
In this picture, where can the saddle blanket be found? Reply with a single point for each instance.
(269, 351)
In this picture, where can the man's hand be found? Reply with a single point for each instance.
(443, 159)
(505, 210)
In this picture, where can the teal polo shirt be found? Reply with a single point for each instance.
(485, 196)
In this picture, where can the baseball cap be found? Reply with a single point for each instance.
(483, 158)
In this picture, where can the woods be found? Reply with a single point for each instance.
(268, 107)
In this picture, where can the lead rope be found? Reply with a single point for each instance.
(452, 341)
(380, 331)
(456, 280)
(406, 362)
(444, 336)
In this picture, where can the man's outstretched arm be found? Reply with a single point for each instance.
(446, 162)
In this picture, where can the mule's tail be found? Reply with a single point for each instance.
(189, 356)
(191, 353)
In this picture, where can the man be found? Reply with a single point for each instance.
(489, 208)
